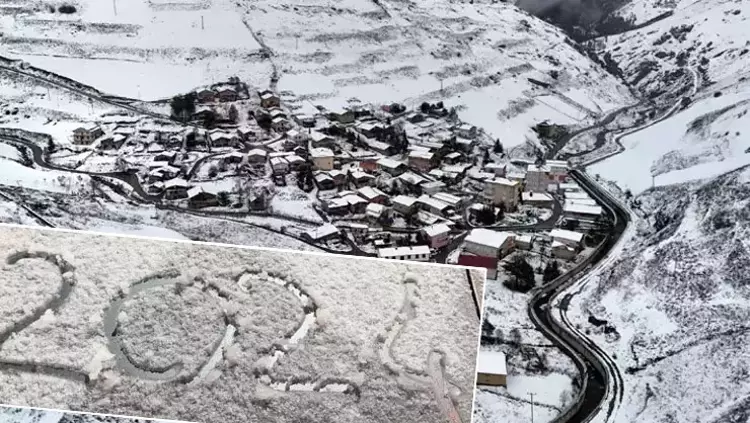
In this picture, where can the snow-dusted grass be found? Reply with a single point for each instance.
(341, 344)
(36, 415)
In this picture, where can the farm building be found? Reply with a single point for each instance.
(491, 368)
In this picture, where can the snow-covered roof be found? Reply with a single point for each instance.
(566, 235)
(404, 251)
(569, 186)
(453, 155)
(582, 209)
(369, 126)
(278, 119)
(323, 231)
(583, 202)
(488, 238)
(558, 244)
(217, 135)
(421, 154)
(278, 161)
(491, 362)
(321, 152)
(195, 191)
(375, 209)
(257, 152)
(176, 182)
(359, 174)
(370, 193)
(412, 178)
(492, 165)
(433, 203)
(433, 184)
(335, 173)
(437, 230)
(538, 168)
(404, 200)
(503, 181)
(526, 238)
(322, 176)
(316, 136)
(267, 96)
(577, 195)
(292, 133)
(530, 197)
(293, 158)
(389, 163)
(447, 198)
(338, 202)
(514, 174)
(557, 163)
(354, 199)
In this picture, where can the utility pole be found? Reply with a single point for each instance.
(202, 25)
(653, 181)
(114, 6)
(296, 41)
(531, 394)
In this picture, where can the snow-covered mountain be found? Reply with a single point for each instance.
(326, 52)
(677, 305)
(690, 56)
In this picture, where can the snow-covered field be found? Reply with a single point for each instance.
(702, 141)
(678, 301)
(185, 293)
(328, 53)
(163, 47)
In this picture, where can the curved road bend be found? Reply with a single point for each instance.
(38, 158)
(597, 370)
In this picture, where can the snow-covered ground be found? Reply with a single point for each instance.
(678, 301)
(164, 47)
(704, 140)
(535, 365)
(342, 344)
(329, 53)
(17, 414)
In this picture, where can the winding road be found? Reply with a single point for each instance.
(601, 392)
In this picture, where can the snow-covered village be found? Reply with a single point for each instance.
(591, 158)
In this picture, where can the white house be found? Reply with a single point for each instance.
(538, 199)
(415, 253)
(524, 242)
(322, 158)
(569, 238)
(322, 233)
(375, 211)
(404, 204)
(538, 178)
(391, 166)
(580, 211)
(503, 190)
(437, 235)
(563, 251)
(487, 243)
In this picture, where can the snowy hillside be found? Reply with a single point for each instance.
(695, 62)
(326, 53)
(710, 37)
(676, 304)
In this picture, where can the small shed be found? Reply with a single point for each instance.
(491, 368)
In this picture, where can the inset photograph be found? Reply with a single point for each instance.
(199, 332)
(10, 414)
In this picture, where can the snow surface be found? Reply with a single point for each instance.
(163, 326)
(702, 141)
